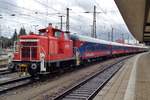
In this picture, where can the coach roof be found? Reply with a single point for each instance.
(94, 40)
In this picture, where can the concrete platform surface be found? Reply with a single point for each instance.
(132, 81)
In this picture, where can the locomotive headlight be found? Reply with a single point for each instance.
(34, 66)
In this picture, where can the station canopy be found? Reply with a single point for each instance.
(136, 14)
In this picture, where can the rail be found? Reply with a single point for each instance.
(3, 62)
(89, 87)
(13, 84)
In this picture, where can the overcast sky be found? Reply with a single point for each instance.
(30, 13)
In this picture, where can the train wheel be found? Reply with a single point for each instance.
(12, 67)
(33, 70)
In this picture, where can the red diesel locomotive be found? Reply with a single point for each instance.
(53, 49)
(40, 53)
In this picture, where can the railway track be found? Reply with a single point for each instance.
(4, 72)
(20, 82)
(13, 84)
(89, 87)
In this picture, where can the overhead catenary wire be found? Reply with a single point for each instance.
(32, 13)
(28, 10)
(46, 5)
(25, 8)
(34, 17)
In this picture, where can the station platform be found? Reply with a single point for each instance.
(131, 82)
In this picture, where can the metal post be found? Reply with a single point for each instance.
(0, 38)
(61, 22)
(122, 37)
(67, 21)
(91, 30)
(1, 33)
(112, 34)
(128, 38)
(108, 36)
(35, 27)
(0, 30)
(94, 23)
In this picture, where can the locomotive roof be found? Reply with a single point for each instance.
(94, 40)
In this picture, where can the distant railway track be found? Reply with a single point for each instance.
(3, 62)
(5, 72)
(13, 84)
(3, 65)
(89, 87)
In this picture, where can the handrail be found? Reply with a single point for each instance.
(43, 50)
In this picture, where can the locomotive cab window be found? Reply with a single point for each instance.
(42, 31)
(57, 34)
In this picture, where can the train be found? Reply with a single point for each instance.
(53, 49)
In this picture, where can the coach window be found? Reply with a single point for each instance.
(103, 48)
(57, 34)
(87, 49)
